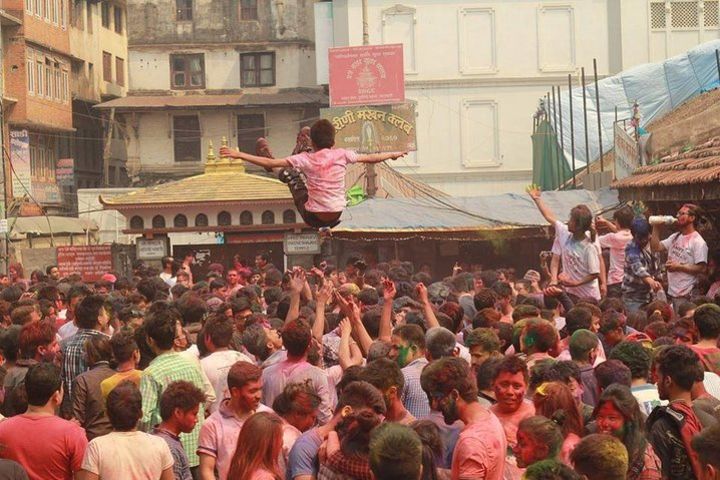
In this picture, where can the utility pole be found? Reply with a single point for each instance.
(369, 167)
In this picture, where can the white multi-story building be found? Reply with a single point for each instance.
(477, 68)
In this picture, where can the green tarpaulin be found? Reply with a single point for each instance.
(550, 169)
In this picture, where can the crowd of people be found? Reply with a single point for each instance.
(374, 370)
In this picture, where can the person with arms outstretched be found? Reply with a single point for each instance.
(320, 199)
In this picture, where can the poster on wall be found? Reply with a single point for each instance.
(90, 261)
(20, 162)
(379, 128)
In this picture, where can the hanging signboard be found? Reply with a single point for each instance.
(20, 161)
(367, 75)
(384, 128)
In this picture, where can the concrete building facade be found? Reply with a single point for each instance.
(477, 69)
(201, 70)
(36, 98)
(98, 42)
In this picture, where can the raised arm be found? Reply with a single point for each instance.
(385, 329)
(323, 297)
(264, 162)
(535, 193)
(431, 320)
(297, 284)
(380, 157)
(655, 244)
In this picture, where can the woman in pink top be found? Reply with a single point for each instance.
(554, 400)
(320, 199)
(258, 449)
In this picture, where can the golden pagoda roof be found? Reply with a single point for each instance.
(224, 181)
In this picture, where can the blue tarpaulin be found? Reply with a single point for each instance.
(658, 88)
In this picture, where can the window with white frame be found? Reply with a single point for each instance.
(40, 71)
(65, 83)
(30, 67)
(58, 82)
(48, 78)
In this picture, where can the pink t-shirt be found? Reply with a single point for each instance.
(616, 242)
(325, 172)
(48, 447)
(219, 435)
(480, 451)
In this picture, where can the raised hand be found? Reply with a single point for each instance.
(227, 152)
(345, 328)
(534, 191)
(325, 293)
(389, 290)
(297, 280)
(422, 292)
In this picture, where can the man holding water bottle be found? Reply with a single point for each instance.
(687, 252)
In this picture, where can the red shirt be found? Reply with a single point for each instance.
(48, 447)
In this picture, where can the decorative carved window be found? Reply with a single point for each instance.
(224, 219)
(180, 221)
(246, 218)
(158, 221)
(137, 223)
(289, 216)
(268, 217)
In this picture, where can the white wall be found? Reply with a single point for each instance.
(477, 69)
(111, 223)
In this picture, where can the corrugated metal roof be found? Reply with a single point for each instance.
(21, 226)
(699, 165)
(296, 96)
(495, 212)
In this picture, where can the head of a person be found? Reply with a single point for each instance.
(550, 470)
(53, 272)
(612, 371)
(689, 214)
(483, 344)
(180, 404)
(124, 346)
(486, 318)
(578, 318)
(485, 298)
(296, 337)
(640, 230)
(244, 382)
(707, 321)
(259, 446)
(385, 375)
(581, 219)
(298, 404)
(322, 134)
(634, 356)
(261, 340)
(162, 326)
(539, 336)
(618, 414)
(583, 346)
(705, 445)
(677, 368)
(448, 384)
(555, 400)
(38, 341)
(124, 406)
(360, 407)
(623, 217)
(408, 344)
(396, 451)
(218, 332)
(43, 385)
(600, 457)
(440, 342)
(612, 326)
(510, 383)
(538, 438)
(97, 349)
(432, 445)
(90, 313)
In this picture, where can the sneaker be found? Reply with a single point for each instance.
(287, 175)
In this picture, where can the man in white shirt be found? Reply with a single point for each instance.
(687, 253)
(217, 335)
(579, 254)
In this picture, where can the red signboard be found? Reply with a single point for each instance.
(91, 261)
(368, 75)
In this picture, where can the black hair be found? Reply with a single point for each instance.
(41, 382)
(124, 406)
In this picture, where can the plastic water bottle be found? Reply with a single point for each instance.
(662, 220)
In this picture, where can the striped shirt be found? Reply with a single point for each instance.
(162, 371)
(413, 396)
